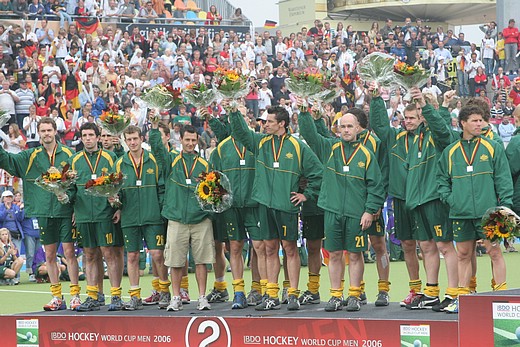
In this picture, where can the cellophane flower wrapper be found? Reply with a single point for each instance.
(162, 96)
(304, 85)
(4, 118)
(58, 186)
(113, 120)
(208, 199)
(230, 84)
(200, 98)
(324, 97)
(110, 188)
(409, 76)
(377, 67)
(500, 223)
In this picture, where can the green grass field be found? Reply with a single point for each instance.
(505, 332)
(30, 297)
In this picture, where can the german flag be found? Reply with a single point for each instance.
(269, 24)
(90, 24)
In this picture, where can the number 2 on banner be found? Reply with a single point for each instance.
(214, 335)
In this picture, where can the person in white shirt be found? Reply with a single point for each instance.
(506, 129)
(265, 96)
(30, 125)
(471, 68)
(53, 71)
(488, 53)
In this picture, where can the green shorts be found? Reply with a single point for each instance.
(403, 221)
(235, 223)
(467, 230)
(275, 224)
(313, 227)
(344, 234)
(2, 271)
(56, 230)
(100, 234)
(218, 232)
(377, 228)
(433, 222)
(153, 235)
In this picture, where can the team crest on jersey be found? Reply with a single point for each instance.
(104, 170)
(63, 163)
(149, 171)
(361, 164)
(484, 157)
(289, 156)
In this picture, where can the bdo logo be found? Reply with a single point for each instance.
(208, 331)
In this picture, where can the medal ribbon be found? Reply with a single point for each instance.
(421, 138)
(276, 155)
(346, 162)
(242, 153)
(93, 169)
(137, 168)
(186, 173)
(52, 157)
(470, 161)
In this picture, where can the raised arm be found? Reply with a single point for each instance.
(318, 143)
(241, 132)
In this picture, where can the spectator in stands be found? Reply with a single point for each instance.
(471, 68)
(500, 51)
(147, 13)
(511, 35)
(213, 17)
(441, 51)
(11, 217)
(36, 10)
(237, 18)
(127, 12)
(506, 129)
(10, 261)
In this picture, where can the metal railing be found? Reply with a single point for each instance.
(225, 9)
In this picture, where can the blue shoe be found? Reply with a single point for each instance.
(239, 301)
(116, 304)
(453, 307)
(101, 299)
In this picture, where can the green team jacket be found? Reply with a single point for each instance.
(180, 202)
(88, 208)
(430, 140)
(470, 193)
(513, 156)
(273, 186)
(345, 193)
(220, 127)
(140, 204)
(370, 140)
(226, 159)
(397, 143)
(29, 165)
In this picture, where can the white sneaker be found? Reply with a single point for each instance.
(203, 304)
(75, 302)
(175, 304)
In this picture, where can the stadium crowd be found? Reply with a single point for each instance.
(55, 85)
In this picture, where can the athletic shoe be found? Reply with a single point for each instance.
(254, 298)
(218, 296)
(408, 300)
(135, 303)
(175, 304)
(453, 307)
(203, 303)
(32, 278)
(88, 305)
(269, 304)
(101, 299)
(164, 299)
(116, 304)
(423, 301)
(185, 296)
(293, 304)
(382, 298)
(309, 298)
(75, 302)
(152, 299)
(334, 304)
(239, 301)
(56, 304)
(16, 281)
(442, 305)
(285, 296)
(353, 304)
(363, 298)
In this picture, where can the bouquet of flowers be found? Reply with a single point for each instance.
(409, 76)
(113, 120)
(213, 192)
(199, 95)
(162, 96)
(106, 186)
(304, 84)
(500, 223)
(377, 67)
(4, 117)
(57, 181)
(230, 84)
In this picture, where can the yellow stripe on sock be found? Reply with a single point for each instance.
(272, 290)
(314, 283)
(255, 285)
(135, 292)
(155, 284)
(164, 286)
(263, 286)
(75, 289)
(383, 285)
(354, 291)
(56, 290)
(115, 291)
(184, 283)
(238, 285)
(92, 291)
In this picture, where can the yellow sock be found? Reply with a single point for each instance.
(383, 285)
(342, 285)
(314, 283)
(431, 290)
(184, 283)
(135, 292)
(155, 284)
(238, 285)
(473, 284)
(415, 285)
(92, 291)
(220, 286)
(337, 293)
(293, 291)
(75, 289)
(56, 290)
(354, 291)
(115, 291)
(501, 286)
(362, 286)
(263, 286)
(453, 292)
(272, 290)
(461, 290)
(286, 284)
(255, 285)
(164, 286)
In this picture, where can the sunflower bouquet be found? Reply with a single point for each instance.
(409, 76)
(199, 95)
(57, 181)
(106, 185)
(162, 96)
(500, 223)
(113, 120)
(377, 67)
(230, 84)
(213, 192)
